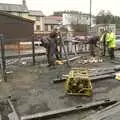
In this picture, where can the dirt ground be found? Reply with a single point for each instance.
(34, 90)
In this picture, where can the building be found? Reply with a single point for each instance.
(14, 9)
(39, 19)
(22, 11)
(52, 22)
(15, 29)
(78, 18)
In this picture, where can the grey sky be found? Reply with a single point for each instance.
(48, 6)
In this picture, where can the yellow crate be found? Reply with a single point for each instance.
(78, 82)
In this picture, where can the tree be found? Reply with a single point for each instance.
(106, 17)
(79, 27)
(101, 13)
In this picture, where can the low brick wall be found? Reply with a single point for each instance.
(17, 47)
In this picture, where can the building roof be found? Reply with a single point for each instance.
(80, 14)
(13, 7)
(53, 20)
(59, 18)
(35, 13)
(16, 17)
(50, 21)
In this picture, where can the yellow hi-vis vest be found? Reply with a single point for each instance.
(111, 40)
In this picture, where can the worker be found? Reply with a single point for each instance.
(49, 44)
(57, 42)
(103, 40)
(111, 43)
(93, 44)
(52, 49)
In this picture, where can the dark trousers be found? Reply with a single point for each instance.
(111, 53)
(57, 54)
(50, 57)
(104, 49)
(92, 50)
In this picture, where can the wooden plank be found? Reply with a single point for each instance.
(25, 55)
(72, 59)
(14, 111)
(105, 112)
(100, 76)
(51, 114)
(94, 78)
(102, 72)
(117, 68)
(59, 80)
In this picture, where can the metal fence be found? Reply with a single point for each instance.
(32, 52)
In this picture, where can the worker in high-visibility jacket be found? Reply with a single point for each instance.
(111, 43)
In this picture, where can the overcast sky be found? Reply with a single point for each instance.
(48, 6)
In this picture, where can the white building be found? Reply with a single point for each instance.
(78, 19)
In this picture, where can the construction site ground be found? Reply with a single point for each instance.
(35, 92)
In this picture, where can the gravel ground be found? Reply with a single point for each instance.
(34, 91)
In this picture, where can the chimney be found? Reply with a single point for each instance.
(24, 2)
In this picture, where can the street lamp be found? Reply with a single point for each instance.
(90, 14)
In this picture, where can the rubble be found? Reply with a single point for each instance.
(90, 60)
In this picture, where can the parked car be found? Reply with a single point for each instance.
(118, 42)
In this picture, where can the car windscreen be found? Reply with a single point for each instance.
(118, 37)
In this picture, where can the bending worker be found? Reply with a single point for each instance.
(49, 44)
(93, 44)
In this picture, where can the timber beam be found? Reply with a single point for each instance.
(51, 114)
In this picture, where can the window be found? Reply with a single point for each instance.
(37, 27)
(37, 18)
(52, 27)
(20, 14)
(46, 27)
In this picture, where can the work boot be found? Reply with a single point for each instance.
(52, 67)
(49, 65)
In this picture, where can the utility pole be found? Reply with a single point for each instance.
(90, 14)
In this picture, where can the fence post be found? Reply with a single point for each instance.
(18, 46)
(33, 50)
(3, 61)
